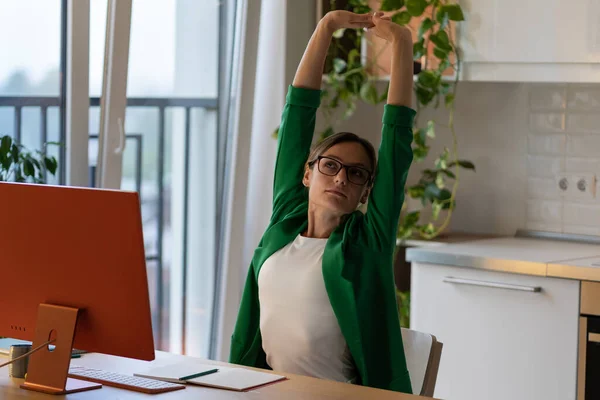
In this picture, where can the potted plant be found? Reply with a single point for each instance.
(18, 164)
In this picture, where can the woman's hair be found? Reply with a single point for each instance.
(343, 137)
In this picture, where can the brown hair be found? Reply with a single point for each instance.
(343, 137)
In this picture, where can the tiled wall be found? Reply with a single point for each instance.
(521, 137)
(563, 144)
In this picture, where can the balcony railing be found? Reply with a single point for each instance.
(154, 225)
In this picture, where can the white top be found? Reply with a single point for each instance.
(300, 333)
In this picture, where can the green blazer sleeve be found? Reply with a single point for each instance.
(395, 157)
(293, 147)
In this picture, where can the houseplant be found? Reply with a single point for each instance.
(349, 80)
(18, 164)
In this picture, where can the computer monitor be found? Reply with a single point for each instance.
(72, 267)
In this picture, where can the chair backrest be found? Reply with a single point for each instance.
(423, 353)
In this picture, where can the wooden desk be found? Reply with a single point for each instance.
(296, 387)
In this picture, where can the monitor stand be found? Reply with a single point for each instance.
(47, 371)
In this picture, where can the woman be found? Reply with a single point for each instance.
(319, 298)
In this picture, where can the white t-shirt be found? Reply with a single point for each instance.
(300, 333)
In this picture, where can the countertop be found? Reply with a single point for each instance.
(530, 256)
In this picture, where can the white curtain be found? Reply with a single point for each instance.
(260, 93)
(268, 102)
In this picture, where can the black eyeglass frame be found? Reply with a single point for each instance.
(344, 166)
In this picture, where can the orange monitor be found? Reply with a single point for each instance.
(72, 268)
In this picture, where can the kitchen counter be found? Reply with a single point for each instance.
(529, 256)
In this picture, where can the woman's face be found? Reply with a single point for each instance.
(340, 179)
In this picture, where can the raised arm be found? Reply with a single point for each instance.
(310, 70)
(395, 152)
(299, 114)
(401, 76)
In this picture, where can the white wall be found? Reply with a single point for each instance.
(521, 137)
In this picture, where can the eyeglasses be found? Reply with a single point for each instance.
(331, 167)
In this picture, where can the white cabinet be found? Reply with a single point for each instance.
(500, 342)
(531, 40)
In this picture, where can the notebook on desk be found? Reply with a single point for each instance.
(238, 379)
(178, 373)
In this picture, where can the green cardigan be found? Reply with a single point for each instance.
(357, 262)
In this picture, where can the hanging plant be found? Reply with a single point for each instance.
(350, 79)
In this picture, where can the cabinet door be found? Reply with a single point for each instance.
(499, 343)
(531, 31)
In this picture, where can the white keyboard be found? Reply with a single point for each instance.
(122, 381)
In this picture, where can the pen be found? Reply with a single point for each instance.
(185, 378)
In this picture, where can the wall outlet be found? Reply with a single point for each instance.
(581, 186)
(585, 185)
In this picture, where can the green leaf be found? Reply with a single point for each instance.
(15, 152)
(28, 168)
(426, 25)
(35, 162)
(339, 65)
(402, 18)
(432, 191)
(463, 163)
(428, 229)
(443, 20)
(51, 163)
(355, 81)
(404, 233)
(391, 5)
(368, 93)
(449, 204)
(339, 33)
(444, 64)
(418, 49)
(353, 55)
(445, 195)
(416, 191)
(419, 153)
(6, 162)
(449, 174)
(431, 129)
(441, 54)
(439, 181)
(412, 218)
(416, 7)
(424, 95)
(5, 144)
(449, 100)
(419, 137)
(429, 79)
(442, 161)
(428, 174)
(441, 40)
(453, 11)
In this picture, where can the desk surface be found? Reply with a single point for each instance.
(295, 387)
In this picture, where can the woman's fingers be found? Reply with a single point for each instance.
(361, 20)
